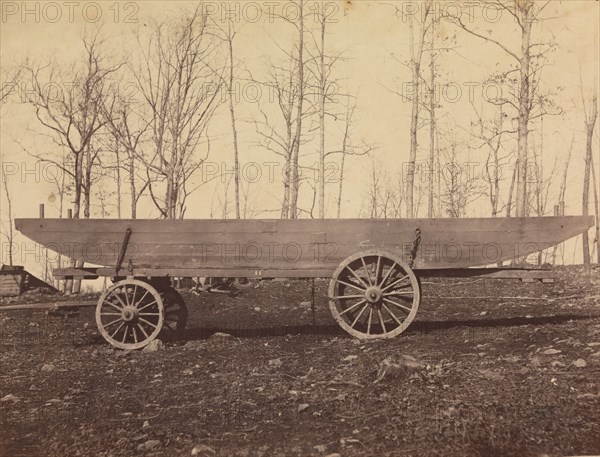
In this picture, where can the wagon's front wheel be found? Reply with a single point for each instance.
(374, 294)
(130, 314)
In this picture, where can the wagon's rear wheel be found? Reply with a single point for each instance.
(374, 294)
(176, 313)
(130, 314)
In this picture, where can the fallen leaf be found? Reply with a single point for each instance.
(302, 407)
(203, 450)
(9, 397)
(275, 363)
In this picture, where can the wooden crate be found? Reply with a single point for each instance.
(12, 280)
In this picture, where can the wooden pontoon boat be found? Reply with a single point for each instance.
(374, 264)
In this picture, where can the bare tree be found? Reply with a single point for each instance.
(130, 131)
(9, 233)
(526, 14)
(461, 183)
(348, 148)
(72, 115)
(383, 199)
(179, 79)
(591, 117)
(489, 134)
(11, 81)
(559, 207)
(320, 65)
(417, 42)
(281, 130)
(229, 33)
(597, 211)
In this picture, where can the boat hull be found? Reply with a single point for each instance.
(296, 245)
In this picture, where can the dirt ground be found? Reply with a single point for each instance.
(488, 368)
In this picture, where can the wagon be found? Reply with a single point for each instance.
(374, 265)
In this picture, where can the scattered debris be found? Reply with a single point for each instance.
(149, 445)
(580, 363)
(48, 367)
(9, 397)
(220, 335)
(202, 450)
(154, 346)
(275, 363)
(397, 366)
(551, 351)
(302, 407)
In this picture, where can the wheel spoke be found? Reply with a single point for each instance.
(111, 304)
(148, 322)
(381, 321)
(407, 294)
(353, 306)
(377, 270)
(146, 306)
(149, 314)
(359, 314)
(135, 338)
(345, 297)
(126, 295)
(116, 331)
(357, 277)
(387, 275)
(118, 298)
(125, 334)
(362, 259)
(395, 282)
(141, 299)
(133, 295)
(391, 314)
(143, 331)
(350, 285)
(405, 308)
(110, 314)
(111, 323)
(369, 323)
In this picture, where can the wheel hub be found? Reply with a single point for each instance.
(373, 294)
(129, 314)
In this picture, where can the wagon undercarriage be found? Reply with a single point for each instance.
(372, 294)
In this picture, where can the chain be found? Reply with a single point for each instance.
(415, 247)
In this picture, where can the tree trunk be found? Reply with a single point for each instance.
(132, 186)
(511, 192)
(590, 124)
(414, 121)
(295, 181)
(322, 88)
(432, 126)
(236, 161)
(597, 212)
(118, 169)
(10, 219)
(524, 110)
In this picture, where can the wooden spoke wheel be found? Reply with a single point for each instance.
(130, 314)
(176, 312)
(374, 294)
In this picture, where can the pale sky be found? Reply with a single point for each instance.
(374, 41)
